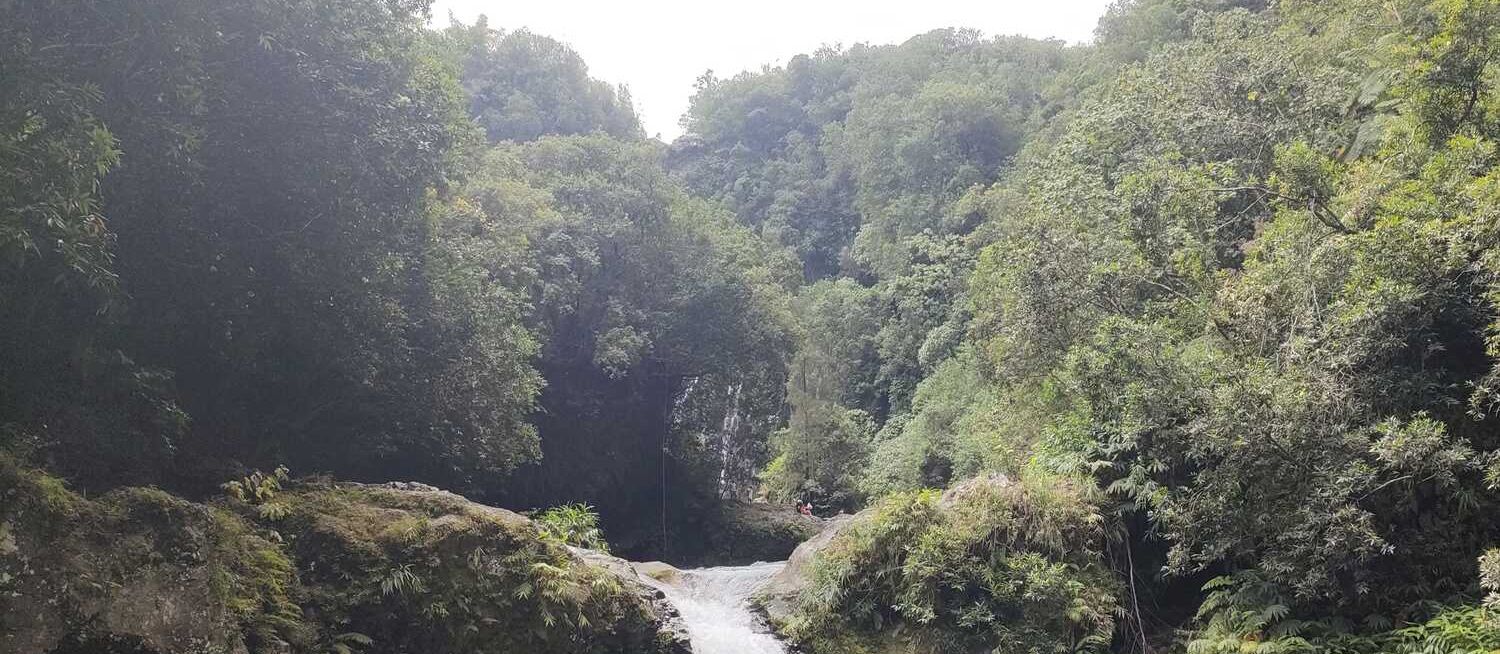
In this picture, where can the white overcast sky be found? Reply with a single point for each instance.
(658, 47)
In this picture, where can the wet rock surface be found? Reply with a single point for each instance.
(777, 597)
(672, 631)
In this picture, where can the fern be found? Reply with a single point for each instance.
(573, 524)
(349, 643)
(257, 487)
(401, 581)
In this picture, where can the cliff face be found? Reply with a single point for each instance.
(317, 567)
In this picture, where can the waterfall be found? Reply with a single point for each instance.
(714, 603)
(728, 431)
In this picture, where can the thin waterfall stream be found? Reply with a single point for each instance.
(715, 605)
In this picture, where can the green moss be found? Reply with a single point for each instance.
(990, 565)
(429, 571)
(29, 490)
(381, 569)
(94, 569)
(255, 580)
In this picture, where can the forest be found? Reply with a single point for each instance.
(1186, 339)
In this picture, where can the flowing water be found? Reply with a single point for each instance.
(714, 603)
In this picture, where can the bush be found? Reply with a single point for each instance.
(1245, 614)
(989, 565)
(573, 524)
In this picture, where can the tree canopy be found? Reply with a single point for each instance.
(1224, 283)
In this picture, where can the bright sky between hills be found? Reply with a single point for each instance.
(659, 47)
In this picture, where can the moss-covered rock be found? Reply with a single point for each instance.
(429, 571)
(747, 532)
(136, 569)
(733, 532)
(778, 598)
(990, 565)
(316, 567)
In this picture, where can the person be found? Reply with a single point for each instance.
(805, 508)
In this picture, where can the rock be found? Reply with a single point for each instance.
(741, 533)
(404, 566)
(136, 568)
(778, 596)
(672, 632)
(663, 572)
(409, 486)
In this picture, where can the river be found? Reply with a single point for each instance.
(714, 603)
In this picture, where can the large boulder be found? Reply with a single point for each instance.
(427, 570)
(135, 570)
(987, 566)
(731, 532)
(778, 597)
(663, 572)
(314, 567)
(672, 632)
(749, 532)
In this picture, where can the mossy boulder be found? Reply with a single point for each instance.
(426, 570)
(777, 599)
(747, 532)
(316, 567)
(135, 570)
(990, 565)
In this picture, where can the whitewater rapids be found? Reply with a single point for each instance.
(715, 606)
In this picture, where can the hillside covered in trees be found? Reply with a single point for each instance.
(1198, 323)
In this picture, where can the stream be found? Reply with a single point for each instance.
(714, 605)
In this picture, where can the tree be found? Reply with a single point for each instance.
(521, 86)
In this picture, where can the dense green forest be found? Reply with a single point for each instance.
(1219, 292)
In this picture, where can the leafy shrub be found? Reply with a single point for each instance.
(257, 487)
(1245, 614)
(989, 565)
(573, 524)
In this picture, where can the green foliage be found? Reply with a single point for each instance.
(1254, 307)
(1242, 613)
(862, 161)
(822, 452)
(257, 487)
(944, 438)
(1241, 270)
(61, 390)
(349, 643)
(271, 226)
(522, 86)
(1238, 262)
(666, 319)
(573, 524)
(990, 565)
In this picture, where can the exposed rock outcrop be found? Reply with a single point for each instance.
(730, 533)
(672, 631)
(315, 567)
(778, 596)
(747, 532)
(663, 572)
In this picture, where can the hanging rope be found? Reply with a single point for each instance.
(664, 494)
